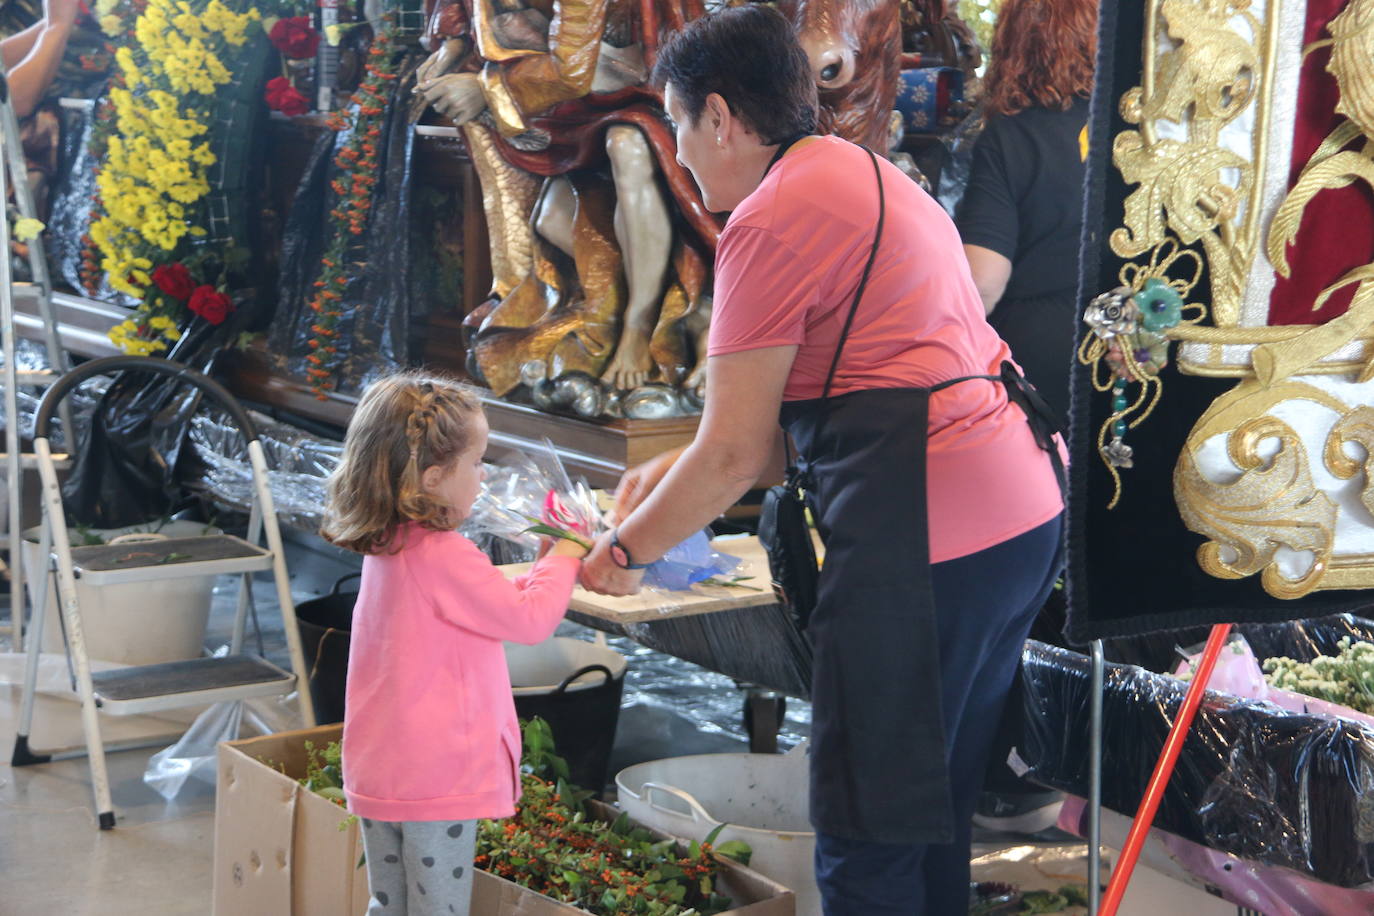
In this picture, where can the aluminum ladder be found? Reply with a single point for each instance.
(141, 689)
(14, 173)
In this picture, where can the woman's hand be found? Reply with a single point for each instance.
(638, 482)
(602, 575)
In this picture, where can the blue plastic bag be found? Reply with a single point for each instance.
(689, 563)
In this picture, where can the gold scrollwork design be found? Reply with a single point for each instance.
(1203, 83)
(1358, 427)
(1271, 505)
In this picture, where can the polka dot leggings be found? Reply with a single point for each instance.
(419, 868)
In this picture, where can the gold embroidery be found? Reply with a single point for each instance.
(1192, 190)
(1268, 507)
(1202, 84)
(1357, 426)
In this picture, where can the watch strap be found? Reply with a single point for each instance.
(620, 556)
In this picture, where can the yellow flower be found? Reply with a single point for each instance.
(105, 7)
(26, 229)
(111, 25)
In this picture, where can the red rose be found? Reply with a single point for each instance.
(174, 280)
(283, 97)
(210, 304)
(295, 37)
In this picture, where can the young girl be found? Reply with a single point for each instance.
(430, 736)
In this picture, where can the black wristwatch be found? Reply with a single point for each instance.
(621, 557)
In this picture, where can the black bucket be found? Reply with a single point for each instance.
(325, 624)
(576, 687)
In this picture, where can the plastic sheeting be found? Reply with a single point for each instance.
(298, 464)
(69, 217)
(1294, 790)
(31, 356)
(381, 297)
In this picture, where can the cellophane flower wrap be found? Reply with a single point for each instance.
(529, 495)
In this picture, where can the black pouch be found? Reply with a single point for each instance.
(786, 537)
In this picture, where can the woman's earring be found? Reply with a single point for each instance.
(719, 142)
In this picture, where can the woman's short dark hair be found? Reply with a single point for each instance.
(750, 56)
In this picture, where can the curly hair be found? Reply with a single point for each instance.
(1043, 53)
(404, 424)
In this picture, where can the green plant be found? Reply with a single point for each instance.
(324, 771)
(553, 845)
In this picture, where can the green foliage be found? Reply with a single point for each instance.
(554, 846)
(324, 771)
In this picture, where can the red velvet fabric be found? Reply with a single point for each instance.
(1337, 231)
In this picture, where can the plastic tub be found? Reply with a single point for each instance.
(138, 623)
(576, 687)
(762, 798)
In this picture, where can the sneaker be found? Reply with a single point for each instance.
(1027, 813)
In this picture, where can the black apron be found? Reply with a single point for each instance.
(878, 750)
(878, 747)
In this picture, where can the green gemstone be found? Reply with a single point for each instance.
(1119, 386)
(1119, 428)
(1119, 403)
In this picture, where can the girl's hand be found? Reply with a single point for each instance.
(639, 482)
(600, 573)
(562, 547)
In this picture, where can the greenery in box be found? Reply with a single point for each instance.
(554, 847)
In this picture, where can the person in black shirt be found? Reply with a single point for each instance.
(1020, 220)
(1022, 211)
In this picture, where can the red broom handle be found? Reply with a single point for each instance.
(1164, 768)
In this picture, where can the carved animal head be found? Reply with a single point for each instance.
(855, 47)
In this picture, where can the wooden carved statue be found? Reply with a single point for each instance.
(601, 245)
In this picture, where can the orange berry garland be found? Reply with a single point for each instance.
(357, 164)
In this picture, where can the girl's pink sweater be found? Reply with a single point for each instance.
(430, 731)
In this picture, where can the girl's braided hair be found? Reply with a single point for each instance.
(404, 424)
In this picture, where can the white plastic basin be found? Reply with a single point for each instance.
(762, 798)
(139, 623)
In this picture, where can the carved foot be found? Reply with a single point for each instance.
(631, 365)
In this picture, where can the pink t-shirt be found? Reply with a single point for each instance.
(788, 263)
(430, 731)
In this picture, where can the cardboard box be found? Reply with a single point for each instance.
(278, 847)
(279, 850)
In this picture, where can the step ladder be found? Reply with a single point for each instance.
(143, 689)
(14, 173)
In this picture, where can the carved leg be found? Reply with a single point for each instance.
(553, 215)
(644, 234)
(508, 196)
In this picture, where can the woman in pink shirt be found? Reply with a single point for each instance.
(431, 741)
(844, 308)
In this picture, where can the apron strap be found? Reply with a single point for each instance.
(1039, 414)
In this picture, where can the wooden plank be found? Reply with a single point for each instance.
(702, 599)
